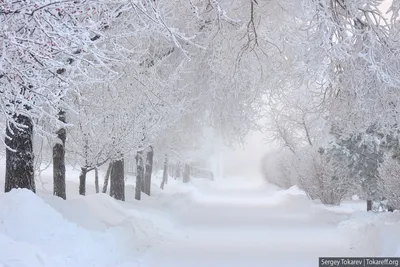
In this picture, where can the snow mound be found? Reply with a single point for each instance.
(295, 190)
(290, 200)
(374, 233)
(20, 254)
(76, 210)
(148, 227)
(33, 233)
(364, 235)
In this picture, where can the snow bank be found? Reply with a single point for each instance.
(375, 234)
(20, 254)
(76, 210)
(364, 234)
(176, 196)
(99, 233)
(372, 234)
(149, 227)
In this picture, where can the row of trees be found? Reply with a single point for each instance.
(96, 83)
(335, 108)
(105, 82)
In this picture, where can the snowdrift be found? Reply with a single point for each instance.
(374, 233)
(369, 233)
(90, 231)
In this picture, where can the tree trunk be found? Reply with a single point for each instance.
(107, 178)
(369, 205)
(19, 155)
(178, 171)
(59, 188)
(165, 173)
(142, 185)
(82, 181)
(186, 174)
(148, 170)
(171, 170)
(117, 180)
(96, 180)
(139, 174)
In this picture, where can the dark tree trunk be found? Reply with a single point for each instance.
(96, 180)
(369, 205)
(84, 170)
(107, 178)
(148, 170)
(142, 185)
(165, 173)
(139, 174)
(186, 174)
(19, 155)
(59, 160)
(117, 180)
(82, 181)
(178, 171)
(171, 170)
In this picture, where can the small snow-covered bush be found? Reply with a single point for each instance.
(389, 181)
(319, 174)
(278, 169)
(323, 178)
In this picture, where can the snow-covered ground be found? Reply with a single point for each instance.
(229, 222)
(250, 224)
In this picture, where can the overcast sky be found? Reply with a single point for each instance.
(385, 5)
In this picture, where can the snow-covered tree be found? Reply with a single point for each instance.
(389, 181)
(46, 47)
(156, 89)
(322, 177)
(337, 73)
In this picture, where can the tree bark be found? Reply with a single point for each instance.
(186, 174)
(107, 178)
(117, 180)
(19, 155)
(369, 205)
(142, 185)
(82, 181)
(139, 174)
(59, 187)
(171, 170)
(96, 180)
(148, 170)
(178, 171)
(165, 173)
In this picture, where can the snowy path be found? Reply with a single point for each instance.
(252, 227)
(200, 224)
